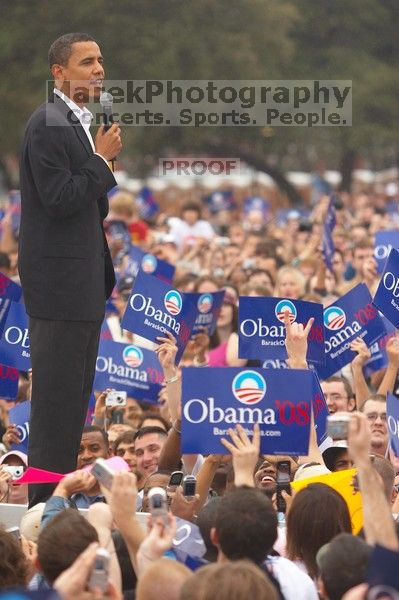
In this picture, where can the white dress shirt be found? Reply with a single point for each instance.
(83, 115)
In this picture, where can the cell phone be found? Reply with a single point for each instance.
(15, 472)
(283, 483)
(99, 575)
(115, 398)
(158, 503)
(103, 473)
(189, 486)
(15, 532)
(337, 426)
(175, 480)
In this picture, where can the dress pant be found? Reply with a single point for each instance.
(63, 357)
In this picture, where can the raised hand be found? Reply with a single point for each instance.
(245, 453)
(296, 342)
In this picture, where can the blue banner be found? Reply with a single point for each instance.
(14, 342)
(384, 242)
(19, 416)
(9, 289)
(351, 316)
(215, 399)
(218, 201)
(261, 328)
(328, 247)
(148, 206)
(130, 368)
(393, 422)
(208, 310)
(8, 382)
(379, 359)
(386, 298)
(155, 307)
(138, 259)
(320, 414)
(257, 203)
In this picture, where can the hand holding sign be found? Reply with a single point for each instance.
(296, 342)
(363, 353)
(359, 439)
(245, 454)
(393, 351)
(166, 352)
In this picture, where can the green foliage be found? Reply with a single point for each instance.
(218, 39)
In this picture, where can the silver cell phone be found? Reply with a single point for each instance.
(189, 486)
(337, 426)
(158, 503)
(103, 473)
(99, 576)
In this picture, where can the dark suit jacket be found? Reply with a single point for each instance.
(64, 263)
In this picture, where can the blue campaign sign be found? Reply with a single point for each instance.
(351, 316)
(218, 201)
(393, 422)
(257, 203)
(138, 259)
(320, 414)
(208, 309)
(19, 416)
(148, 206)
(386, 298)
(130, 368)
(328, 242)
(155, 307)
(213, 400)
(9, 289)
(8, 382)
(14, 342)
(384, 242)
(379, 359)
(261, 328)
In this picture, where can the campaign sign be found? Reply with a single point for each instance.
(320, 414)
(351, 316)
(208, 310)
(130, 368)
(213, 400)
(328, 247)
(384, 242)
(393, 422)
(8, 382)
(9, 289)
(379, 359)
(219, 201)
(20, 415)
(14, 342)
(155, 307)
(261, 328)
(138, 259)
(257, 203)
(386, 298)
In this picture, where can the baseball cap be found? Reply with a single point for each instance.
(20, 455)
(30, 522)
(331, 454)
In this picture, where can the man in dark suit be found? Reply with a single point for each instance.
(64, 262)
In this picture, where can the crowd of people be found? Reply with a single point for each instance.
(243, 544)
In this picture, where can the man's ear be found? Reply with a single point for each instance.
(351, 404)
(57, 73)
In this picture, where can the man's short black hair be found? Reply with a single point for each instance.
(343, 564)
(246, 525)
(95, 429)
(61, 49)
(147, 430)
(206, 521)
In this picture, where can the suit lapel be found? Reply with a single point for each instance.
(80, 132)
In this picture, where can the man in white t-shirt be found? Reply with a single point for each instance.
(190, 228)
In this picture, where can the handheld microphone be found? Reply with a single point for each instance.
(106, 101)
